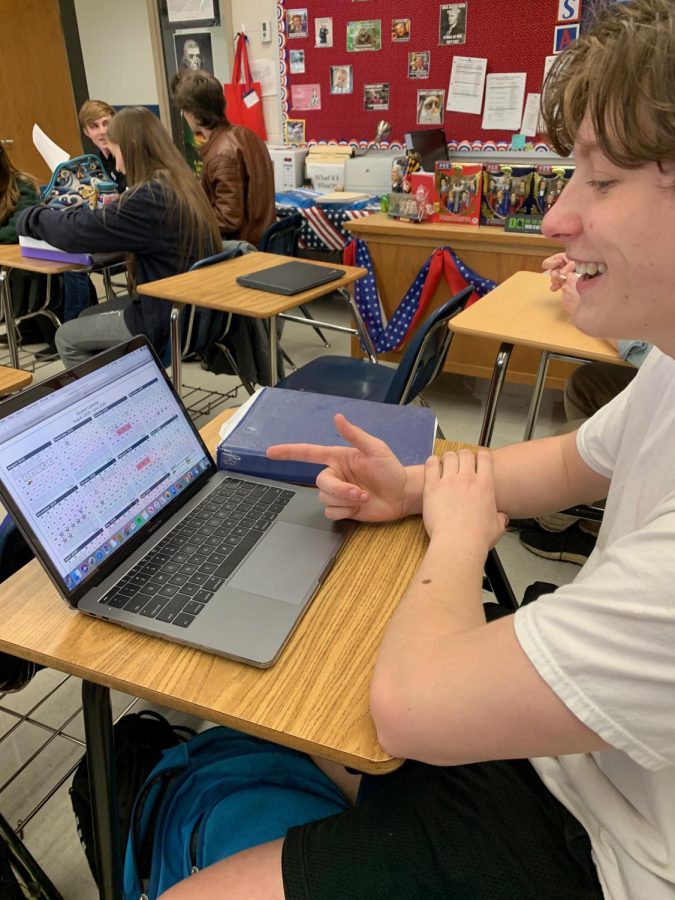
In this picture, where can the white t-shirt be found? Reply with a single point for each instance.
(606, 645)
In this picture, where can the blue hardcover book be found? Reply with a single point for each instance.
(277, 416)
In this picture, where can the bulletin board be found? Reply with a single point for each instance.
(514, 37)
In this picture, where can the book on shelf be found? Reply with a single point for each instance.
(279, 416)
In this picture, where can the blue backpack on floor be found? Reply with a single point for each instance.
(214, 795)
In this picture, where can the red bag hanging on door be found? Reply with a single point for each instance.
(243, 97)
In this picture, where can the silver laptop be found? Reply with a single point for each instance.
(113, 488)
(290, 278)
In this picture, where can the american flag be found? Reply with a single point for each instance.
(389, 335)
(322, 228)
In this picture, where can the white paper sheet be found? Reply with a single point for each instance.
(189, 10)
(530, 123)
(504, 95)
(48, 150)
(467, 80)
(548, 62)
(264, 71)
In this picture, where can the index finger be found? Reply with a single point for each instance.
(311, 453)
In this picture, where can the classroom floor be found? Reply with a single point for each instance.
(41, 731)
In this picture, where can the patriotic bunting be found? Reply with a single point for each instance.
(443, 263)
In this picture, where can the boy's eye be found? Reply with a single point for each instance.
(601, 186)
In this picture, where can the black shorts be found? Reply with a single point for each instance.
(487, 831)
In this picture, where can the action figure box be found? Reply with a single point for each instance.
(423, 189)
(458, 188)
(548, 185)
(507, 190)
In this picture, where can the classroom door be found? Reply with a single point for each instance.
(35, 85)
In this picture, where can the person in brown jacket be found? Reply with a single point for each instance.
(237, 176)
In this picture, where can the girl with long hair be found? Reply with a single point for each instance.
(18, 191)
(163, 221)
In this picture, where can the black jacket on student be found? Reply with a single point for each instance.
(143, 223)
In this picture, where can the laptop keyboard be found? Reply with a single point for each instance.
(175, 580)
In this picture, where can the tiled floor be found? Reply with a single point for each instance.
(41, 732)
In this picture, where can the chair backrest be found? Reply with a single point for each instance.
(425, 354)
(201, 326)
(282, 236)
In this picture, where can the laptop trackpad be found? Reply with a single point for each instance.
(287, 562)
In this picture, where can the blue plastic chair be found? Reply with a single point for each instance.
(344, 376)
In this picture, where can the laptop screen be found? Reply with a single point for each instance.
(93, 462)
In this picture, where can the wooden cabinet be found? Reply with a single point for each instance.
(399, 250)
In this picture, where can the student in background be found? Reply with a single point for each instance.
(163, 221)
(18, 191)
(237, 176)
(542, 744)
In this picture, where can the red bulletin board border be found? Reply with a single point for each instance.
(515, 41)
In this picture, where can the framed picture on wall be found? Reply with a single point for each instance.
(323, 32)
(376, 96)
(193, 50)
(452, 25)
(296, 62)
(341, 80)
(430, 105)
(364, 35)
(294, 131)
(400, 30)
(296, 21)
(306, 96)
(419, 64)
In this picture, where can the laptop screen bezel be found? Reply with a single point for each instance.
(109, 565)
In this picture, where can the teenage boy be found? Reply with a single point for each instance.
(546, 738)
(237, 174)
(95, 116)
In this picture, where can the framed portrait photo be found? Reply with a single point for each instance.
(400, 30)
(430, 107)
(341, 80)
(193, 50)
(364, 35)
(294, 131)
(296, 23)
(296, 62)
(452, 24)
(419, 64)
(323, 32)
(376, 96)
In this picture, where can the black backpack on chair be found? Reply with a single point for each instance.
(15, 673)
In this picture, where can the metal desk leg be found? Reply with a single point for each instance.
(496, 384)
(274, 347)
(176, 310)
(102, 789)
(8, 313)
(40, 885)
(537, 393)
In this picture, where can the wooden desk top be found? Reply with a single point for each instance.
(215, 287)
(456, 235)
(13, 379)
(522, 310)
(11, 258)
(315, 698)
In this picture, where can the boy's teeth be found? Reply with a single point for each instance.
(590, 268)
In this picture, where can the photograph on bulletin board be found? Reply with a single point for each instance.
(341, 80)
(376, 96)
(323, 32)
(297, 23)
(430, 105)
(452, 26)
(295, 131)
(364, 35)
(400, 30)
(193, 50)
(419, 64)
(306, 96)
(296, 62)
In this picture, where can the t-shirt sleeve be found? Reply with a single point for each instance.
(604, 643)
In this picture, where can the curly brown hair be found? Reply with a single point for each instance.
(621, 74)
(200, 94)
